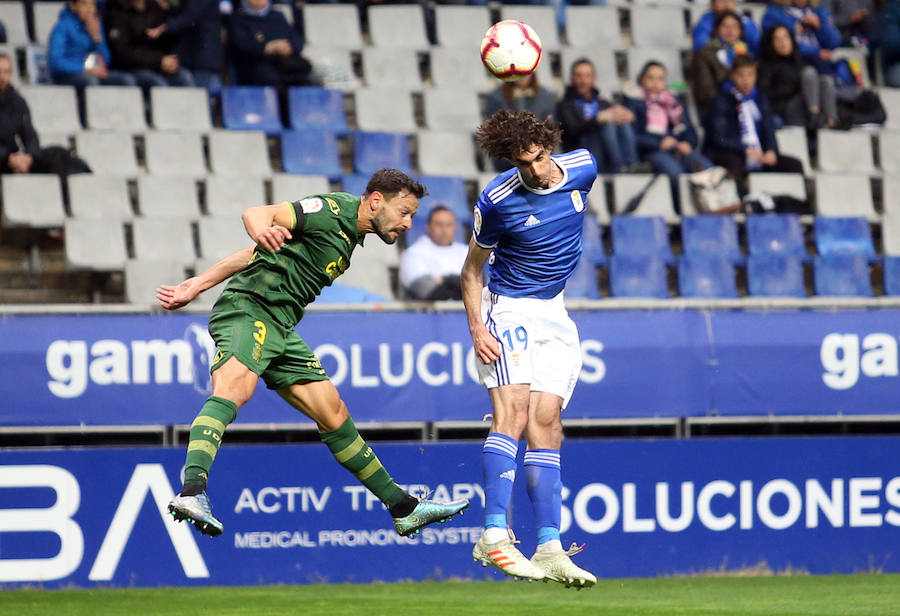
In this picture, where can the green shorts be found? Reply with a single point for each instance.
(242, 328)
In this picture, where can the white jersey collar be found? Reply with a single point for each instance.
(552, 189)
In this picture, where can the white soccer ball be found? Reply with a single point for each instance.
(510, 50)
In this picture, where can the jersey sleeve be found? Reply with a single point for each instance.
(487, 226)
(587, 174)
(310, 214)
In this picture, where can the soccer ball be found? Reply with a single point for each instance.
(510, 50)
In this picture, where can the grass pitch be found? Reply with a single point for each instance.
(845, 595)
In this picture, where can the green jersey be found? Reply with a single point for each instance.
(324, 233)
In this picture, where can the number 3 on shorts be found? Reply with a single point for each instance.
(521, 338)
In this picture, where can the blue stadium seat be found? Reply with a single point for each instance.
(892, 275)
(775, 275)
(593, 249)
(706, 275)
(251, 108)
(844, 236)
(711, 235)
(776, 234)
(449, 190)
(354, 183)
(637, 275)
(372, 151)
(583, 282)
(843, 274)
(321, 108)
(339, 293)
(640, 235)
(311, 152)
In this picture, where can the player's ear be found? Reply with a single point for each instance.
(375, 200)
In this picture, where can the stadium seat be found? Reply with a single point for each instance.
(398, 26)
(46, 138)
(310, 151)
(792, 142)
(889, 151)
(775, 275)
(230, 195)
(597, 201)
(287, 187)
(451, 109)
(845, 151)
(845, 195)
(669, 57)
(461, 26)
(107, 153)
(333, 66)
(706, 275)
(180, 109)
(174, 154)
(156, 238)
(332, 25)
(384, 109)
(641, 235)
(541, 18)
(46, 15)
(844, 236)
(142, 277)
(449, 190)
(583, 282)
(842, 275)
(354, 183)
(657, 26)
(208, 297)
(339, 293)
(791, 184)
(99, 196)
(317, 108)
(244, 153)
(591, 27)
(892, 275)
(372, 151)
(251, 108)
(447, 153)
(592, 241)
(12, 15)
(890, 98)
(604, 61)
(119, 108)
(53, 108)
(32, 200)
(97, 245)
(460, 69)
(369, 274)
(890, 226)
(167, 198)
(656, 201)
(775, 234)
(220, 236)
(711, 235)
(391, 67)
(638, 275)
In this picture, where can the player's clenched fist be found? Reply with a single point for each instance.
(273, 238)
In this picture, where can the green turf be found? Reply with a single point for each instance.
(868, 595)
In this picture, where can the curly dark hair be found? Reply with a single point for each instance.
(506, 134)
(390, 182)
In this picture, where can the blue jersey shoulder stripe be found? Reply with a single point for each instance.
(501, 191)
(507, 191)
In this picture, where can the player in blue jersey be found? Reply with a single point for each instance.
(530, 219)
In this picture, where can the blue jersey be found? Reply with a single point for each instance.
(535, 234)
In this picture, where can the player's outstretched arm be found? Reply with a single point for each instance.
(269, 225)
(486, 346)
(174, 297)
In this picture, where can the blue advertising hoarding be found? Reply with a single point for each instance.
(292, 515)
(418, 366)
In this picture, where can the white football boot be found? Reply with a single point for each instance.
(557, 565)
(504, 555)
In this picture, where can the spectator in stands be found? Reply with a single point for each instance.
(589, 121)
(197, 28)
(20, 151)
(265, 48)
(856, 20)
(711, 64)
(812, 27)
(890, 44)
(430, 268)
(799, 95)
(77, 53)
(2, 33)
(665, 135)
(703, 29)
(152, 60)
(526, 94)
(740, 127)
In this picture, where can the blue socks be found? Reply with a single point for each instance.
(545, 491)
(499, 462)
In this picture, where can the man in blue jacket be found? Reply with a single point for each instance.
(78, 54)
(703, 29)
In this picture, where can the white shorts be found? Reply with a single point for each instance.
(538, 341)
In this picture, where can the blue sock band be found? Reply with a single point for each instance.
(545, 491)
(499, 462)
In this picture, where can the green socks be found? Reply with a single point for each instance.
(349, 448)
(206, 437)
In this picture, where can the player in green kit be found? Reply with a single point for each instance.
(301, 247)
